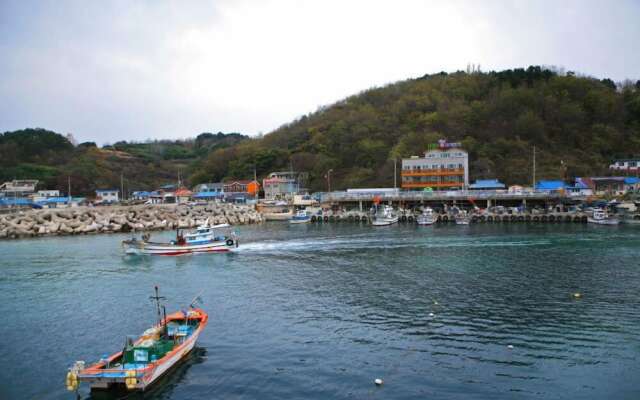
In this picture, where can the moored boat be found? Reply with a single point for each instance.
(385, 217)
(601, 216)
(146, 358)
(427, 217)
(301, 217)
(462, 218)
(205, 239)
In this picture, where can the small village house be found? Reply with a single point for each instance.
(107, 196)
(183, 195)
(628, 166)
(140, 195)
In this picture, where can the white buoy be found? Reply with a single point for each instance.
(510, 346)
(378, 381)
(431, 314)
(435, 302)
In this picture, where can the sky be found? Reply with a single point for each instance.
(136, 70)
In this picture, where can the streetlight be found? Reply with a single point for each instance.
(328, 176)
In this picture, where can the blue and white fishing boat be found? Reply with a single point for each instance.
(205, 239)
(301, 217)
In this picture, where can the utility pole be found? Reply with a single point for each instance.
(329, 180)
(534, 167)
(122, 185)
(395, 174)
(69, 188)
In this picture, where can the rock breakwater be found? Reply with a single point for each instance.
(89, 220)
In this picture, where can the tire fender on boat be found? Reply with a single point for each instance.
(72, 381)
(130, 379)
(229, 242)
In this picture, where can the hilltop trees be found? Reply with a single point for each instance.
(578, 125)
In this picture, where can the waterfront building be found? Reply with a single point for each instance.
(107, 196)
(631, 184)
(281, 185)
(445, 166)
(606, 184)
(579, 188)
(43, 195)
(140, 195)
(207, 196)
(19, 187)
(212, 187)
(487, 184)
(631, 165)
(236, 186)
(550, 186)
(183, 195)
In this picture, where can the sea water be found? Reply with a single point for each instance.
(321, 311)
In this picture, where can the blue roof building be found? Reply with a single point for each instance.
(208, 195)
(550, 185)
(487, 184)
(631, 180)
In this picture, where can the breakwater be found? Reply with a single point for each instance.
(91, 220)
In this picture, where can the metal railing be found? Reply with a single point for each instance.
(439, 195)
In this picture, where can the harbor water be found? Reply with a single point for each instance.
(320, 311)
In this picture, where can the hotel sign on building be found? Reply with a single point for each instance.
(445, 166)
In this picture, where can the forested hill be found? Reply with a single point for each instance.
(52, 158)
(578, 125)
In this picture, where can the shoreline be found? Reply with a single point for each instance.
(121, 219)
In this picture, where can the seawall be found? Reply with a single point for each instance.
(91, 220)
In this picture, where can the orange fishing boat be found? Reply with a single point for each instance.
(145, 359)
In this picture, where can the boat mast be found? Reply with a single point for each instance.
(157, 299)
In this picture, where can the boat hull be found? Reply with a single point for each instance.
(168, 249)
(277, 216)
(300, 221)
(384, 221)
(603, 221)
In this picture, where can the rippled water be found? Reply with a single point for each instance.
(320, 311)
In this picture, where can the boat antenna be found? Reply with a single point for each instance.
(196, 300)
(157, 299)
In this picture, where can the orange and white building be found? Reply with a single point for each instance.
(445, 166)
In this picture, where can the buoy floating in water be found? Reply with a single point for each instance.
(435, 302)
(577, 295)
(510, 346)
(431, 314)
(378, 381)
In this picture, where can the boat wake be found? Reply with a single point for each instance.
(369, 243)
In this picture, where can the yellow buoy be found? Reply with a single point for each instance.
(72, 381)
(130, 380)
(577, 295)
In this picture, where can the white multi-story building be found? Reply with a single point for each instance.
(281, 185)
(445, 166)
(631, 165)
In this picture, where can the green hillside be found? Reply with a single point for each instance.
(51, 158)
(578, 125)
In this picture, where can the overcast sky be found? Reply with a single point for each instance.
(133, 70)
